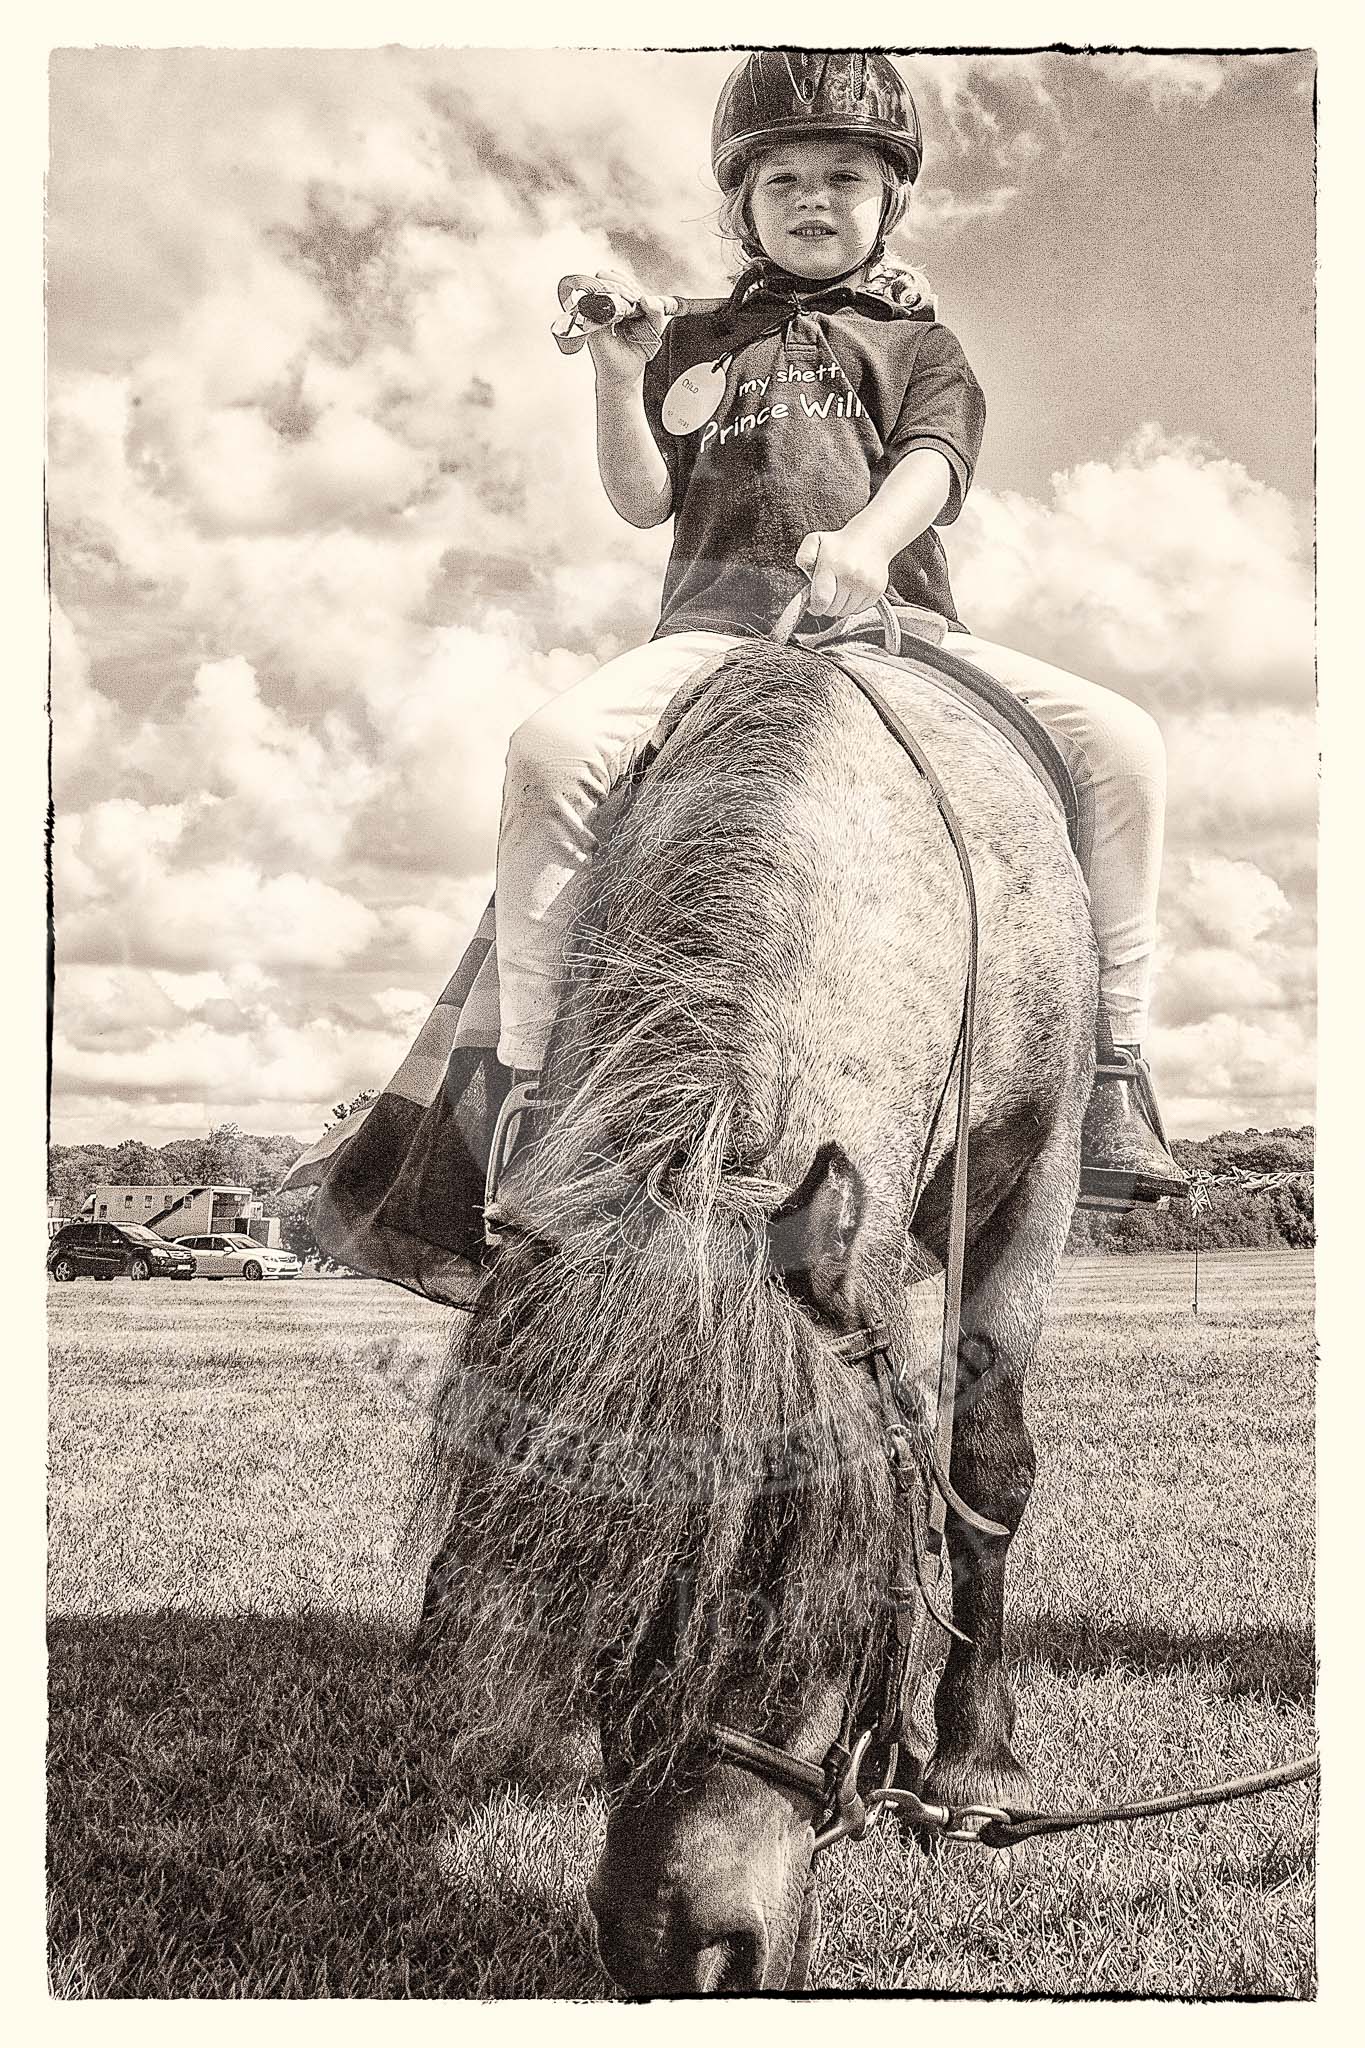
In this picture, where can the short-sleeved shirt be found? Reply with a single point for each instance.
(822, 399)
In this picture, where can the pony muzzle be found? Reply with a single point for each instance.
(668, 1948)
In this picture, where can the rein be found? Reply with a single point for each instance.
(844, 1809)
(917, 1469)
(874, 1721)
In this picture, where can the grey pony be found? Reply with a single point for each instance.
(764, 996)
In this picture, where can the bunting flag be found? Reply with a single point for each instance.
(1245, 1181)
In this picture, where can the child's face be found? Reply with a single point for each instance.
(817, 206)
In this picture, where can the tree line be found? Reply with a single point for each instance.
(227, 1157)
(1235, 1217)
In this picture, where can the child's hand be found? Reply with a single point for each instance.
(847, 570)
(622, 351)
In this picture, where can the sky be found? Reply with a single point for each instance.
(325, 519)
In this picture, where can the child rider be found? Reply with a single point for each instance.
(816, 154)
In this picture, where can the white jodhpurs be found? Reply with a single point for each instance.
(1117, 759)
(566, 758)
(561, 762)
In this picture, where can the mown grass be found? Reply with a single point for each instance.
(251, 1793)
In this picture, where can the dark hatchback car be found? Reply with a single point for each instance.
(105, 1249)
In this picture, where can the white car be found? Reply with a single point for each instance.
(238, 1258)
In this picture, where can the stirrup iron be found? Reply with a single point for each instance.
(522, 1099)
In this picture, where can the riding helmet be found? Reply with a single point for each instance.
(856, 95)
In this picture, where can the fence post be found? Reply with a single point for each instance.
(1196, 1265)
(1199, 1202)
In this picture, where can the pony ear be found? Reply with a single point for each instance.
(811, 1237)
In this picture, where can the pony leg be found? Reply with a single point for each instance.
(1009, 1276)
(427, 1636)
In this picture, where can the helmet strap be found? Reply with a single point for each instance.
(773, 275)
(769, 271)
(878, 249)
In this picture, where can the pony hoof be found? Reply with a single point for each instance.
(1006, 1785)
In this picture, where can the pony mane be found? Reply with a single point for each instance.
(664, 1493)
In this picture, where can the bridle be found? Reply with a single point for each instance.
(874, 1728)
(854, 1780)
(872, 1735)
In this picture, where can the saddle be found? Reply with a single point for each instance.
(402, 1185)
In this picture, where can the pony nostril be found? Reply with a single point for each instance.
(731, 1959)
(656, 1957)
(708, 1963)
(744, 1962)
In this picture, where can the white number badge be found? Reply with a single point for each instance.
(693, 397)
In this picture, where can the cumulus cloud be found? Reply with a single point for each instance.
(1229, 1070)
(1167, 564)
(283, 788)
(1008, 111)
(1221, 979)
(418, 935)
(1235, 993)
(937, 209)
(1232, 902)
(1172, 576)
(84, 723)
(121, 893)
(194, 1064)
(179, 1051)
(1244, 775)
(403, 1007)
(326, 526)
(998, 107)
(445, 732)
(1166, 81)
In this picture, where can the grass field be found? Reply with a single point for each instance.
(250, 1794)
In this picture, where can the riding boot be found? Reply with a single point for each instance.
(1124, 1154)
(520, 1101)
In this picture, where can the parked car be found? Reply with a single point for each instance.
(230, 1256)
(107, 1249)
